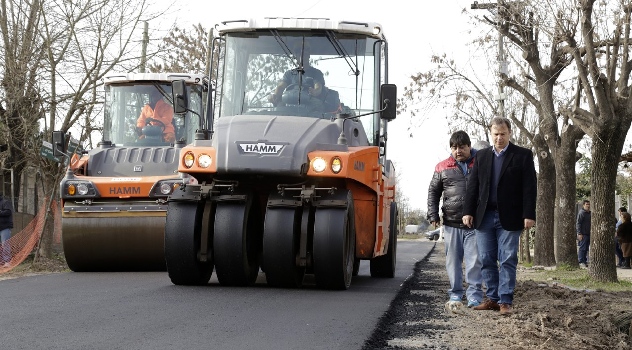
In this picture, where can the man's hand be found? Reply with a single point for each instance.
(274, 98)
(528, 223)
(468, 220)
(316, 90)
(434, 224)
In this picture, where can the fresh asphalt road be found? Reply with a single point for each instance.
(145, 310)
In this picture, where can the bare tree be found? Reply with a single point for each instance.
(21, 104)
(53, 58)
(531, 27)
(604, 113)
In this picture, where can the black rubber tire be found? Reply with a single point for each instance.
(384, 266)
(281, 238)
(334, 244)
(436, 237)
(182, 244)
(237, 242)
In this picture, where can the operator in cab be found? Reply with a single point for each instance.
(321, 98)
(157, 112)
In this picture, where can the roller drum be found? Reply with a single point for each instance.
(109, 242)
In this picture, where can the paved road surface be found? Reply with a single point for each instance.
(145, 311)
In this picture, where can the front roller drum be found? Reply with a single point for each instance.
(187, 262)
(334, 244)
(103, 242)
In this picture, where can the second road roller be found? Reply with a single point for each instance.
(114, 197)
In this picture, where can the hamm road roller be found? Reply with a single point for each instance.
(292, 170)
(114, 197)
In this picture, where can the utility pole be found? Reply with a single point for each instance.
(143, 54)
(502, 63)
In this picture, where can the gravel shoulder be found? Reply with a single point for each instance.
(546, 316)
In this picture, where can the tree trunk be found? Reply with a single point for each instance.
(565, 206)
(525, 243)
(606, 151)
(544, 254)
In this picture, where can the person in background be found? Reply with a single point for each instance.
(450, 180)
(583, 233)
(617, 246)
(158, 113)
(499, 203)
(6, 224)
(624, 234)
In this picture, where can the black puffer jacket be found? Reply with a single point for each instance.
(448, 179)
(6, 214)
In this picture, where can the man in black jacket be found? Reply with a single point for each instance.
(583, 233)
(500, 203)
(449, 179)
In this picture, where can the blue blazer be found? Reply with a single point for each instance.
(517, 187)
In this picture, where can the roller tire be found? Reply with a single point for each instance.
(281, 237)
(182, 244)
(237, 243)
(334, 245)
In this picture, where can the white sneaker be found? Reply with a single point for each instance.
(583, 266)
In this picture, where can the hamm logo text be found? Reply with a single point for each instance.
(261, 148)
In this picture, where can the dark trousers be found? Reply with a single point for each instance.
(618, 252)
(584, 244)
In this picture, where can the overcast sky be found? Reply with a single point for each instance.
(414, 34)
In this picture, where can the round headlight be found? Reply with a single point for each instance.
(72, 190)
(165, 188)
(204, 161)
(319, 165)
(188, 159)
(82, 189)
(336, 165)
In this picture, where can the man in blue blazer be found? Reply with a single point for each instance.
(499, 203)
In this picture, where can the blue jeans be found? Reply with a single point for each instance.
(6, 248)
(584, 245)
(460, 245)
(498, 251)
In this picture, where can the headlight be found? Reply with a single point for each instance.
(165, 188)
(79, 188)
(319, 165)
(188, 159)
(82, 189)
(205, 161)
(336, 165)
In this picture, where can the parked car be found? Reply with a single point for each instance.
(434, 234)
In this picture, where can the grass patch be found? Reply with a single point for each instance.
(578, 279)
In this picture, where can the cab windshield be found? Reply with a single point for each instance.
(291, 65)
(125, 103)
